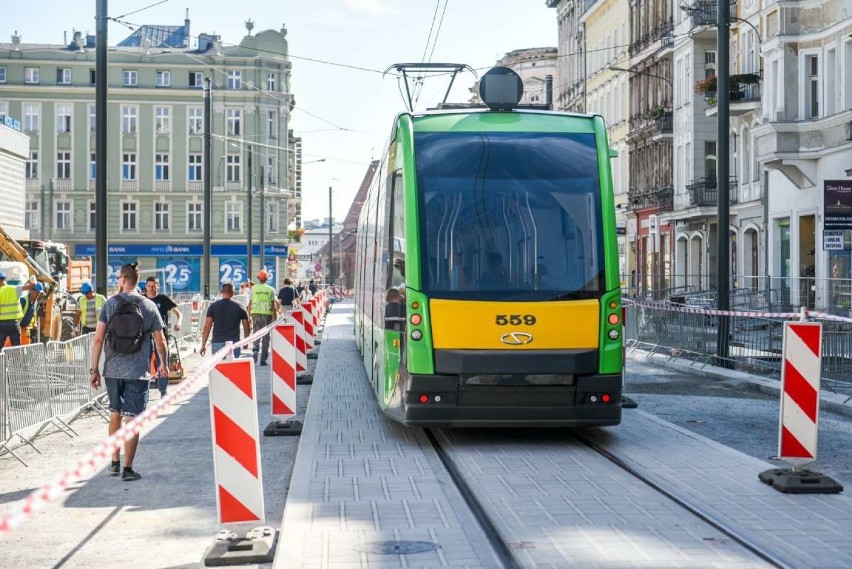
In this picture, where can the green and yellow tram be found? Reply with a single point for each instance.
(487, 289)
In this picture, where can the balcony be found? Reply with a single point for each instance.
(744, 98)
(663, 198)
(658, 38)
(704, 13)
(162, 185)
(195, 186)
(656, 123)
(63, 185)
(33, 184)
(704, 192)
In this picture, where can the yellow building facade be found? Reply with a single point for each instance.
(607, 37)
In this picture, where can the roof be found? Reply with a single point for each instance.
(350, 223)
(160, 36)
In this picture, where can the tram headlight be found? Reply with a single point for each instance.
(416, 335)
(613, 334)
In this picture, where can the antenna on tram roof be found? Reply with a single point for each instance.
(428, 68)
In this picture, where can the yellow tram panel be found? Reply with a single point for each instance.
(478, 325)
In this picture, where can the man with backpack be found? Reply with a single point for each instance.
(127, 325)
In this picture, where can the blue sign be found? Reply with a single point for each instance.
(270, 268)
(233, 270)
(181, 275)
(240, 250)
(12, 123)
(148, 250)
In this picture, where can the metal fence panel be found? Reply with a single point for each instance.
(4, 415)
(28, 388)
(67, 365)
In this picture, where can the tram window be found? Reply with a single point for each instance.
(514, 216)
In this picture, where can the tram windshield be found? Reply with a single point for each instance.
(510, 216)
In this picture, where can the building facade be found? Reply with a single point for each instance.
(155, 148)
(606, 24)
(14, 150)
(569, 92)
(537, 68)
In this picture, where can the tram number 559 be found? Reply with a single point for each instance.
(515, 319)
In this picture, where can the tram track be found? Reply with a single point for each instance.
(706, 517)
(501, 546)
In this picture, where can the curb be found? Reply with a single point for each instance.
(840, 404)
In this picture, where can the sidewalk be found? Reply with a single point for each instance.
(166, 519)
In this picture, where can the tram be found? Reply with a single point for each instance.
(487, 290)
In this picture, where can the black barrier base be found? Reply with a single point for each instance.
(283, 429)
(799, 482)
(258, 546)
(628, 403)
(317, 342)
(312, 355)
(305, 379)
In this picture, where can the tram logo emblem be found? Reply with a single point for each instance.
(516, 338)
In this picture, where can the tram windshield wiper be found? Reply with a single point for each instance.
(575, 295)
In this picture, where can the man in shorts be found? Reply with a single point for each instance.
(126, 374)
(224, 316)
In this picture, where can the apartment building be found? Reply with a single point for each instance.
(569, 92)
(537, 68)
(649, 142)
(606, 29)
(155, 147)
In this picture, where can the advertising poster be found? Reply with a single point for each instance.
(232, 270)
(838, 204)
(180, 274)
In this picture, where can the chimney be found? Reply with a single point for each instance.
(64, 37)
(186, 29)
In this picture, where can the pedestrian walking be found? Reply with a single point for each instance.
(89, 307)
(287, 296)
(165, 305)
(262, 306)
(127, 325)
(225, 317)
(10, 310)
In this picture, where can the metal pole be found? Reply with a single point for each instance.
(101, 239)
(208, 183)
(250, 215)
(262, 221)
(723, 260)
(330, 242)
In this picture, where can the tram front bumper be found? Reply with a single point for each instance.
(448, 401)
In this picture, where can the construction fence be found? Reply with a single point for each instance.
(691, 332)
(46, 386)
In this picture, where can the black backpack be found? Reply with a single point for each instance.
(124, 328)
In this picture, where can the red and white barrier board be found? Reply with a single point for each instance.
(301, 347)
(283, 343)
(800, 379)
(236, 442)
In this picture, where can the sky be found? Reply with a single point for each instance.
(343, 115)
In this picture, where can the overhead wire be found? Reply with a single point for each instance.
(142, 9)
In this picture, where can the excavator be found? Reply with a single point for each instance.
(19, 265)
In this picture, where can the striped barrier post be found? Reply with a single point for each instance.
(236, 442)
(302, 377)
(799, 416)
(283, 382)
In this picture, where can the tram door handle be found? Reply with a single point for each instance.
(394, 323)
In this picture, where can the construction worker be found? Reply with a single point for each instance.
(10, 311)
(88, 309)
(263, 306)
(28, 308)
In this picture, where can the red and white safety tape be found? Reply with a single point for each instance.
(663, 305)
(51, 491)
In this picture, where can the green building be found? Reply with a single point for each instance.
(155, 148)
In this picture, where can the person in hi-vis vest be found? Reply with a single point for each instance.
(263, 307)
(29, 307)
(10, 310)
(89, 307)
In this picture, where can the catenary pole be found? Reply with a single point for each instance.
(101, 237)
(262, 188)
(723, 257)
(250, 215)
(330, 242)
(208, 182)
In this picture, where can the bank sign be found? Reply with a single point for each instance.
(837, 213)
